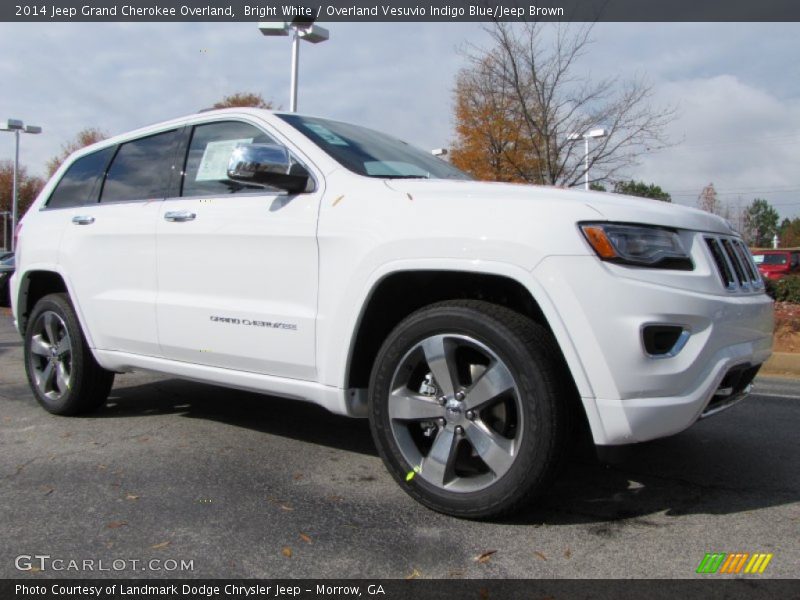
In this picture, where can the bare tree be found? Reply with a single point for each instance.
(549, 100)
(709, 201)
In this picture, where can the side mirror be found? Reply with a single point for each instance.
(268, 165)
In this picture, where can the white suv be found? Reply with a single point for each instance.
(475, 324)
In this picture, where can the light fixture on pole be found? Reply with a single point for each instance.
(301, 29)
(16, 126)
(593, 133)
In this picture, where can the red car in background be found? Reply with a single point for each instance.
(777, 264)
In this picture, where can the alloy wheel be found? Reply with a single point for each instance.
(51, 355)
(455, 413)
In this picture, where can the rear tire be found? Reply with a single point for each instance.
(469, 408)
(63, 374)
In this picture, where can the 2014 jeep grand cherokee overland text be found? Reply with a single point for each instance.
(477, 325)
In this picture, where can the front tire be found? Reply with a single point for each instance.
(468, 408)
(63, 374)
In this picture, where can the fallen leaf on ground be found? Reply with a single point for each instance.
(116, 524)
(567, 553)
(286, 507)
(287, 552)
(414, 574)
(540, 555)
(305, 538)
(484, 557)
(297, 476)
(47, 490)
(131, 497)
(161, 545)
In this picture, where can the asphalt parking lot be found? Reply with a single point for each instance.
(244, 485)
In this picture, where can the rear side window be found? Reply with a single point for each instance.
(140, 169)
(78, 186)
(207, 161)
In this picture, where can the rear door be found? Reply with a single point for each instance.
(237, 265)
(109, 252)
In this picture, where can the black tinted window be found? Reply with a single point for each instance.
(140, 169)
(78, 185)
(207, 160)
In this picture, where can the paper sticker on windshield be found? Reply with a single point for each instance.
(326, 134)
(214, 164)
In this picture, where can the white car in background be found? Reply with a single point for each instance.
(476, 324)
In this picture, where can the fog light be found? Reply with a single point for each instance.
(664, 341)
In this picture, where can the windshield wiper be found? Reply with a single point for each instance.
(404, 176)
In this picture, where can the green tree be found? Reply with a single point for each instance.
(789, 233)
(597, 187)
(641, 189)
(761, 222)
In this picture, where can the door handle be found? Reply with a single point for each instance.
(179, 216)
(82, 220)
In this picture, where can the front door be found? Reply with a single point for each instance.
(237, 265)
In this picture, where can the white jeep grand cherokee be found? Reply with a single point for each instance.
(473, 323)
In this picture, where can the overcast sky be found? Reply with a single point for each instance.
(737, 87)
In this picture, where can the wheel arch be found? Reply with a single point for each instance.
(388, 301)
(35, 284)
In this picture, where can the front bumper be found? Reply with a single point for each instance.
(635, 397)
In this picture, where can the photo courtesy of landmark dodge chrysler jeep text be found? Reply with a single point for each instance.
(477, 325)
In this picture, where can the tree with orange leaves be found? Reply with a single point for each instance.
(85, 137)
(29, 187)
(489, 141)
(244, 99)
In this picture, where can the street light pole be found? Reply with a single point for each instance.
(295, 67)
(17, 127)
(586, 159)
(14, 193)
(594, 133)
(301, 29)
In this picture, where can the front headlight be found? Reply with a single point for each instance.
(637, 245)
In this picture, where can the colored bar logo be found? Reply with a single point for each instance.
(734, 563)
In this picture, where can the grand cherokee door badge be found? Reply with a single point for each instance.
(254, 323)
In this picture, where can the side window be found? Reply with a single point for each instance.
(205, 173)
(78, 185)
(140, 169)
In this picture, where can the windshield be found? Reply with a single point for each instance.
(371, 153)
(771, 259)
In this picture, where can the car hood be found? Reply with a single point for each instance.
(612, 207)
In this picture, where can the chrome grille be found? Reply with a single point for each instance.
(734, 264)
